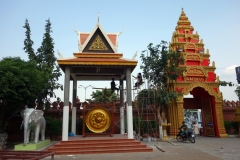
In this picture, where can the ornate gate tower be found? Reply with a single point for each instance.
(198, 79)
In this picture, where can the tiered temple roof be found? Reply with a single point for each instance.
(98, 57)
(197, 63)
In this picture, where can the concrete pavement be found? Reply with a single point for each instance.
(206, 148)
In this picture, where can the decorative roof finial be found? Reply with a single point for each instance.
(98, 17)
(121, 31)
(182, 14)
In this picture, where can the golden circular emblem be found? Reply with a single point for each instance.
(98, 120)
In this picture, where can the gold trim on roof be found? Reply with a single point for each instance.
(98, 45)
(98, 63)
(98, 55)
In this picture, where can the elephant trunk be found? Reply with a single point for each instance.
(26, 131)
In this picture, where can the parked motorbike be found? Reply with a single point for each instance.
(181, 136)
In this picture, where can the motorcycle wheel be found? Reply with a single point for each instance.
(193, 140)
(179, 138)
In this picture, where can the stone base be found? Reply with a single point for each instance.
(165, 138)
(31, 146)
(224, 135)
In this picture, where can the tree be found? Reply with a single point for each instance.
(28, 43)
(237, 91)
(230, 84)
(103, 96)
(46, 62)
(20, 84)
(162, 68)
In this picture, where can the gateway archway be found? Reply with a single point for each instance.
(198, 79)
(205, 102)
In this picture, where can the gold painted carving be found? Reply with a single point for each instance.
(191, 46)
(195, 79)
(209, 89)
(98, 45)
(98, 120)
(193, 57)
(196, 71)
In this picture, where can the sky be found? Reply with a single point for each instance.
(144, 22)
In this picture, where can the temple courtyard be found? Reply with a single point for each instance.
(207, 148)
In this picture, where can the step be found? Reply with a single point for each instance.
(97, 140)
(96, 143)
(96, 147)
(100, 151)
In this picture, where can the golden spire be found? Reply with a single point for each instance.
(183, 14)
(183, 19)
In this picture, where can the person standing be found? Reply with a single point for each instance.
(113, 86)
(196, 129)
(139, 80)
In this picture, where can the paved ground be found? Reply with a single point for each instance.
(205, 148)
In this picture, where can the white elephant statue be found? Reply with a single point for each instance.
(33, 117)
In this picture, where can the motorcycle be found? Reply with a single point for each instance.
(181, 136)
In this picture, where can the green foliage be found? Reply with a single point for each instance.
(235, 126)
(79, 126)
(228, 126)
(161, 67)
(230, 84)
(237, 91)
(53, 127)
(137, 124)
(145, 97)
(20, 84)
(28, 43)
(224, 83)
(103, 96)
(46, 61)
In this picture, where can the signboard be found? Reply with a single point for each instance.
(238, 74)
(210, 124)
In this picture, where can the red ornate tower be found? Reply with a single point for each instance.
(198, 79)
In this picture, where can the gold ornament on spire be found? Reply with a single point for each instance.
(207, 51)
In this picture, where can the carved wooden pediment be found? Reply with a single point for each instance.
(195, 74)
(98, 45)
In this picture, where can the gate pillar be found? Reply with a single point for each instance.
(220, 121)
(177, 116)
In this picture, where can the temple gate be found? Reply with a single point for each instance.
(198, 80)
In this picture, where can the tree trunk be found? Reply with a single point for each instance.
(160, 121)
